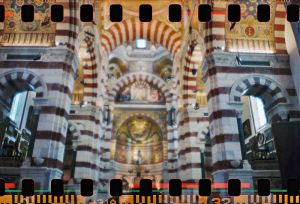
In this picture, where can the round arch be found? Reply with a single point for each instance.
(242, 85)
(136, 76)
(23, 77)
(132, 29)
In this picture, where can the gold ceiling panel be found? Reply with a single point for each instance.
(39, 32)
(249, 33)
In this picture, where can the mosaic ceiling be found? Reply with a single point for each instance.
(140, 92)
(248, 32)
(40, 31)
(139, 130)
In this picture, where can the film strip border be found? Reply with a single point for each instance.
(145, 187)
(145, 13)
(155, 199)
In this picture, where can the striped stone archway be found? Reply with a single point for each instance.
(20, 80)
(132, 29)
(268, 89)
(140, 76)
(279, 27)
(193, 59)
(88, 60)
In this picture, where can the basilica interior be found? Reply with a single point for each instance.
(136, 100)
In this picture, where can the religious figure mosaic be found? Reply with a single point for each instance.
(140, 92)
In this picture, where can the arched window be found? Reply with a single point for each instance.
(258, 111)
(141, 43)
(17, 107)
(18, 133)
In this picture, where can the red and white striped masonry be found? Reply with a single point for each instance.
(88, 149)
(140, 76)
(67, 30)
(215, 29)
(88, 58)
(53, 82)
(276, 87)
(192, 61)
(8, 88)
(279, 27)
(131, 29)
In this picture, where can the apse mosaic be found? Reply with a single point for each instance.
(139, 130)
(16, 31)
(248, 28)
(139, 141)
(140, 92)
(122, 115)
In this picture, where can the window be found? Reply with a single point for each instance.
(141, 44)
(258, 111)
(17, 107)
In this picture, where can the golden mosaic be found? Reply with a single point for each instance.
(41, 31)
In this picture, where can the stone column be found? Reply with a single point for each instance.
(88, 149)
(172, 163)
(57, 68)
(227, 160)
(106, 165)
(192, 123)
